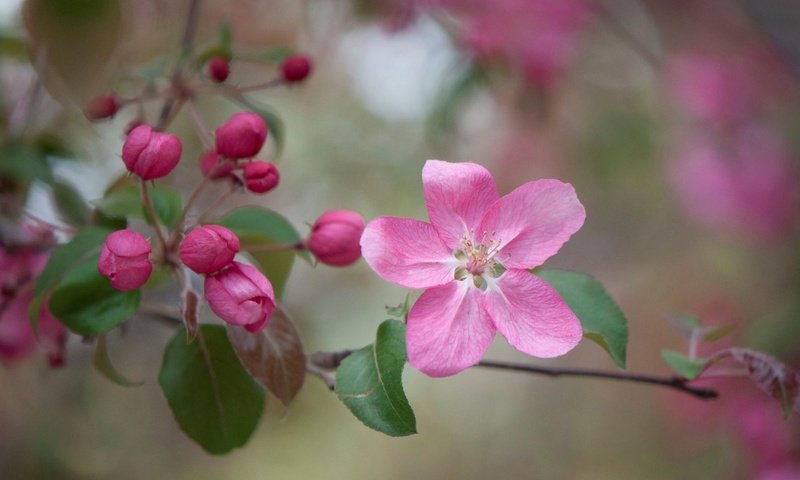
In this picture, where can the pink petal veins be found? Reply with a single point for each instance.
(448, 329)
(532, 315)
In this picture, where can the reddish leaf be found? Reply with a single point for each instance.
(771, 376)
(274, 356)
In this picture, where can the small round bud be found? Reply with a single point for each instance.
(296, 68)
(242, 136)
(102, 107)
(240, 295)
(261, 177)
(150, 154)
(209, 249)
(214, 165)
(335, 237)
(124, 259)
(218, 69)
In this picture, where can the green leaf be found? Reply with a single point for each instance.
(215, 401)
(84, 247)
(274, 56)
(102, 362)
(12, 45)
(70, 203)
(24, 164)
(369, 383)
(602, 320)
(257, 227)
(86, 303)
(126, 202)
(688, 368)
(277, 130)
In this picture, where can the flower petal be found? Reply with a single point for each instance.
(533, 222)
(531, 315)
(457, 196)
(448, 329)
(407, 252)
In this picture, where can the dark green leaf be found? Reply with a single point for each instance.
(102, 362)
(86, 304)
(602, 320)
(369, 382)
(215, 401)
(70, 203)
(126, 202)
(12, 45)
(258, 227)
(688, 368)
(24, 164)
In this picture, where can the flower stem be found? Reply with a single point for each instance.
(151, 215)
(274, 247)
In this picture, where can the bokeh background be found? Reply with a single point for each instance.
(677, 122)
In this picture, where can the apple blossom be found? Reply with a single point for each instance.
(261, 177)
(472, 259)
(296, 68)
(215, 165)
(218, 69)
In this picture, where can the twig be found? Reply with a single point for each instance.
(626, 36)
(151, 215)
(675, 382)
(329, 361)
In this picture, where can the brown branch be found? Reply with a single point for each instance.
(329, 361)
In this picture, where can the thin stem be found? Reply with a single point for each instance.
(200, 127)
(192, 198)
(216, 203)
(151, 216)
(674, 382)
(274, 247)
(625, 35)
(329, 361)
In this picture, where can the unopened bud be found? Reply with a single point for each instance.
(261, 177)
(101, 107)
(241, 295)
(296, 68)
(335, 237)
(209, 249)
(150, 154)
(216, 166)
(124, 259)
(218, 69)
(242, 136)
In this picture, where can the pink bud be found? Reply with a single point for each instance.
(209, 248)
(214, 165)
(241, 295)
(335, 237)
(150, 154)
(296, 68)
(16, 336)
(124, 260)
(218, 69)
(261, 177)
(103, 106)
(242, 136)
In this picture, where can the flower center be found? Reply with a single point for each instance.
(477, 259)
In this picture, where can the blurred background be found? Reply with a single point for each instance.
(677, 123)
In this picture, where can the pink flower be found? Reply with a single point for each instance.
(241, 295)
(335, 236)
(124, 260)
(296, 68)
(242, 136)
(472, 259)
(209, 248)
(150, 154)
(261, 177)
(215, 165)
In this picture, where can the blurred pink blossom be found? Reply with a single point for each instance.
(748, 185)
